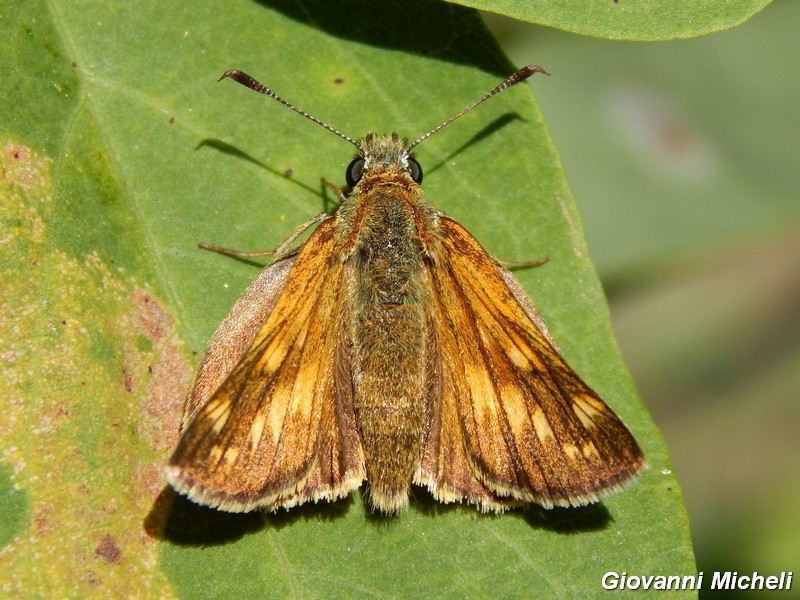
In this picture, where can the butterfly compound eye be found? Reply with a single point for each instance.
(414, 170)
(354, 171)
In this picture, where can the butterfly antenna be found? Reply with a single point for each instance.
(253, 84)
(514, 79)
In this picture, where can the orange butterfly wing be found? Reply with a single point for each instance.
(515, 423)
(280, 428)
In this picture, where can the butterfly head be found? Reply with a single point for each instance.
(382, 155)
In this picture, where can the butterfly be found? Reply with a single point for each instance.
(391, 348)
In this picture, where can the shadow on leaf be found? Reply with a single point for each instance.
(561, 520)
(226, 148)
(176, 519)
(568, 520)
(388, 25)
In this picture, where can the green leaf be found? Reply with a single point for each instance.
(636, 20)
(121, 152)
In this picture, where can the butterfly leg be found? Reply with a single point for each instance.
(279, 251)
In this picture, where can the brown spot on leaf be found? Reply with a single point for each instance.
(18, 153)
(41, 519)
(21, 167)
(109, 550)
(166, 375)
(165, 398)
(52, 419)
(127, 379)
(154, 321)
(151, 479)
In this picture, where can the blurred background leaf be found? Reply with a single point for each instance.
(683, 159)
(639, 20)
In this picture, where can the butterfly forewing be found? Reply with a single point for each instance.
(274, 433)
(528, 427)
